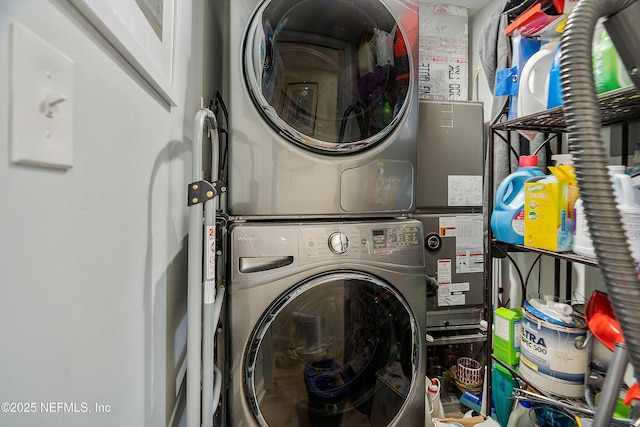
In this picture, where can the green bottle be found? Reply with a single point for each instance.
(608, 70)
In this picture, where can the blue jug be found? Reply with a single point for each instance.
(507, 218)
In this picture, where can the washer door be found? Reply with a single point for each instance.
(331, 76)
(337, 349)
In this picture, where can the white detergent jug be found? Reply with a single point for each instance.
(628, 203)
(533, 90)
(629, 207)
(520, 416)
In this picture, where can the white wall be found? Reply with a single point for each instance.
(479, 86)
(93, 259)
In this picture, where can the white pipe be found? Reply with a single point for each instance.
(217, 388)
(210, 392)
(194, 281)
(209, 259)
(208, 329)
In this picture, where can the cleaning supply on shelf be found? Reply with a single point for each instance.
(520, 415)
(608, 70)
(471, 401)
(548, 208)
(554, 96)
(433, 408)
(428, 418)
(507, 331)
(502, 385)
(628, 203)
(507, 218)
(554, 354)
(628, 199)
(533, 89)
(634, 165)
(551, 311)
(523, 49)
(582, 244)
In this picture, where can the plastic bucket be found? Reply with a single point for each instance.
(554, 358)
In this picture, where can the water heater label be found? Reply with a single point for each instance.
(447, 226)
(444, 271)
(453, 294)
(469, 244)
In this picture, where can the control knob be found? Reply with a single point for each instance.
(338, 242)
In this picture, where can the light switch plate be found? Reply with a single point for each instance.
(41, 101)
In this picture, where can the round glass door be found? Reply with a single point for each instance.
(333, 351)
(331, 76)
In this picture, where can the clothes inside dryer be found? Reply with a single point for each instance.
(333, 351)
(330, 76)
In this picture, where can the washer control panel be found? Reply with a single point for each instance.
(278, 246)
(392, 241)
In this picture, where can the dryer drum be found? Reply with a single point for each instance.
(335, 82)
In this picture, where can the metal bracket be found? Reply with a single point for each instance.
(202, 191)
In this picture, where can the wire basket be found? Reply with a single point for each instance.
(469, 374)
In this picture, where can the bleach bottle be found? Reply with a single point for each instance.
(520, 416)
(433, 408)
(507, 218)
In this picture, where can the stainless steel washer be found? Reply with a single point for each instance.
(326, 324)
(323, 108)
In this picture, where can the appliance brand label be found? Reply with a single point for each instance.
(248, 239)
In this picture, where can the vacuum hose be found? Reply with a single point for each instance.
(582, 115)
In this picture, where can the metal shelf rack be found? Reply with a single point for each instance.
(619, 107)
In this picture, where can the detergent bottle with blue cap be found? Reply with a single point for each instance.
(507, 218)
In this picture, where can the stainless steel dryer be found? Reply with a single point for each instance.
(326, 324)
(323, 108)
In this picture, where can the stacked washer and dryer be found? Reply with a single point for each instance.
(326, 293)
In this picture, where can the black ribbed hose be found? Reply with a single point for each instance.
(582, 115)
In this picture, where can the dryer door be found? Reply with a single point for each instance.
(332, 76)
(338, 349)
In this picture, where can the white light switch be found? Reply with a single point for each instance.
(41, 102)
